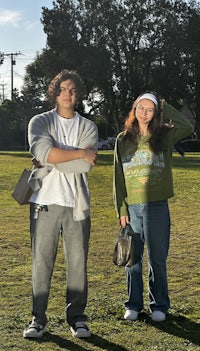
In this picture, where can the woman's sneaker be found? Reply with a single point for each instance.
(131, 315)
(158, 316)
(34, 330)
(80, 330)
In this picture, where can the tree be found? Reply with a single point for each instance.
(192, 52)
(12, 124)
(121, 48)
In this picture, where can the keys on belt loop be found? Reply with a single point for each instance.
(38, 208)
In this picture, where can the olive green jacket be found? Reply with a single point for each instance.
(140, 175)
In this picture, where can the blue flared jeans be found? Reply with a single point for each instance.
(151, 224)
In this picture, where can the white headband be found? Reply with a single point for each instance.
(149, 96)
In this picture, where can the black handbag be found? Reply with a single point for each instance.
(22, 191)
(123, 254)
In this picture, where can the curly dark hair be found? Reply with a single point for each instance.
(156, 128)
(54, 86)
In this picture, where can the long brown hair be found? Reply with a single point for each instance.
(156, 129)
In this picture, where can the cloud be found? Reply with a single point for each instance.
(31, 25)
(9, 18)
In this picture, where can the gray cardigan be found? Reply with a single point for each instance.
(42, 137)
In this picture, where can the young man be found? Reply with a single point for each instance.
(64, 144)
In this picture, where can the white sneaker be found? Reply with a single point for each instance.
(80, 330)
(34, 330)
(158, 316)
(131, 315)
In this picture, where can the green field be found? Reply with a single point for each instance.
(107, 288)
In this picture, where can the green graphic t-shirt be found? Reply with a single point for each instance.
(142, 170)
(140, 175)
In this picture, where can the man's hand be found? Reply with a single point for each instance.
(90, 156)
(36, 163)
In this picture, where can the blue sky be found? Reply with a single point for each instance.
(20, 31)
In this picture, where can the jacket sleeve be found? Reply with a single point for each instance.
(119, 187)
(89, 136)
(40, 139)
(181, 126)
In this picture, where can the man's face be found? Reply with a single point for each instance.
(68, 95)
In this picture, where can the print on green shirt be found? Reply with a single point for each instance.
(142, 168)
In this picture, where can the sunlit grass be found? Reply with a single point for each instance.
(107, 290)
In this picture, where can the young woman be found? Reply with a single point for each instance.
(142, 185)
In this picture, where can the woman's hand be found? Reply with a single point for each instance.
(123, 221)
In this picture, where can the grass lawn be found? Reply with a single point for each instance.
(107, 288)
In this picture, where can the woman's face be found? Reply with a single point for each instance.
(144, 111)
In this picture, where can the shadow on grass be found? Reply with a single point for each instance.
(180, 326)
(98, 341)
(187, 162)
(95, 340)
(25, 154)
(105, 159)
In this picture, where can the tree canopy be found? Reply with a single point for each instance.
(121, 48)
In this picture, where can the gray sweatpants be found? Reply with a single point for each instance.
(45, 233)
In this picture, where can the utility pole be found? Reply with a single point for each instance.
(13, 62)
(1, 58)
(3, 90)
